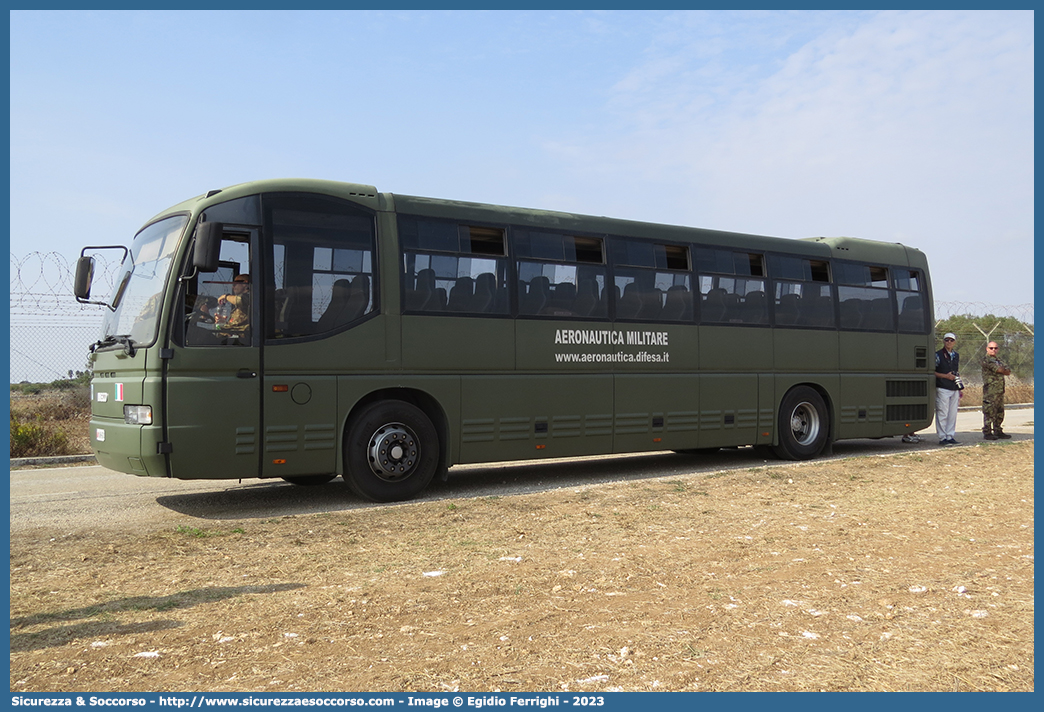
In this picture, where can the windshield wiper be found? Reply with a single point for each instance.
(112, 340)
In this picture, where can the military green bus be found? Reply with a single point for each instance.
(305, 329)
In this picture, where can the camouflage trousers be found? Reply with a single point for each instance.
(992, 412)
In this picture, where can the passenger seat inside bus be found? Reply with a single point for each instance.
(819, 312)
(358, 298)
(879, 315)
(535, 299)
(732, 307)
(586, 297)
(630, 304)
(787, 310)
(678, 304)
(652, 303)
(293, 318)
(755, 308)
(713, 306)
(417, 299)
(564, 299)
(485, 287)
(851, 313)
(348, 303)
(338, 302)
(462, 295)
(911, 318)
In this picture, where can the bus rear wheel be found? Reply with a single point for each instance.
(803, 424)
(391, 452)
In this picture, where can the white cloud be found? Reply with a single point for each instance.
(917, 125)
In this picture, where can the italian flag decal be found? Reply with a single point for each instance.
(119, 391)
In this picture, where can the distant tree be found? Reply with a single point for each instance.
(1014, 338)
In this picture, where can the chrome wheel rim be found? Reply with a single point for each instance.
(393, 452)
(804, 423)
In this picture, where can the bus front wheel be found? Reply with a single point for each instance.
(391, 452)
(803, 424)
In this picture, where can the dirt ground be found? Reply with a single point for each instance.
(910, 571)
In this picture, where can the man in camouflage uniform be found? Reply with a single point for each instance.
(993, 372)
(237, 326)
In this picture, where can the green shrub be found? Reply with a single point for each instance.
(37, 438)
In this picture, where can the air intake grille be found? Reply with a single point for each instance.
(906, 389)
(906, 413)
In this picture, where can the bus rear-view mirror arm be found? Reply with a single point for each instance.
(85, 274)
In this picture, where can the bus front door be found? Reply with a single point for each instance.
(213, 378)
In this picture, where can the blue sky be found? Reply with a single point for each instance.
(913, 127)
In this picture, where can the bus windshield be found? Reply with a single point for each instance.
(138, 293)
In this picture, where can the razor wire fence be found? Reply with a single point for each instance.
(976, 324)
(51, 332)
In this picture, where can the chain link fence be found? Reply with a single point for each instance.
(51, 332)
(976, 324)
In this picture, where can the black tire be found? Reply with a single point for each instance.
(309, 480)
(391, 452)
(804, 424)
(765, 452)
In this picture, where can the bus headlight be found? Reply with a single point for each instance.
(137, 414)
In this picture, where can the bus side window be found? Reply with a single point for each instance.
(732, 287)
(561, 276)
(909, 295)
(322, 275)
(803, 295)
(653, 280)
(865, 300)
(451, 268)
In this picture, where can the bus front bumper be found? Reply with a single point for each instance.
(127, 448)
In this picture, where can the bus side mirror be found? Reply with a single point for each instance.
(208, 246)
(84, 278)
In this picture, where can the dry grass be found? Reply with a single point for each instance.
(1015, 391)
(52, 422)
(904, 572)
